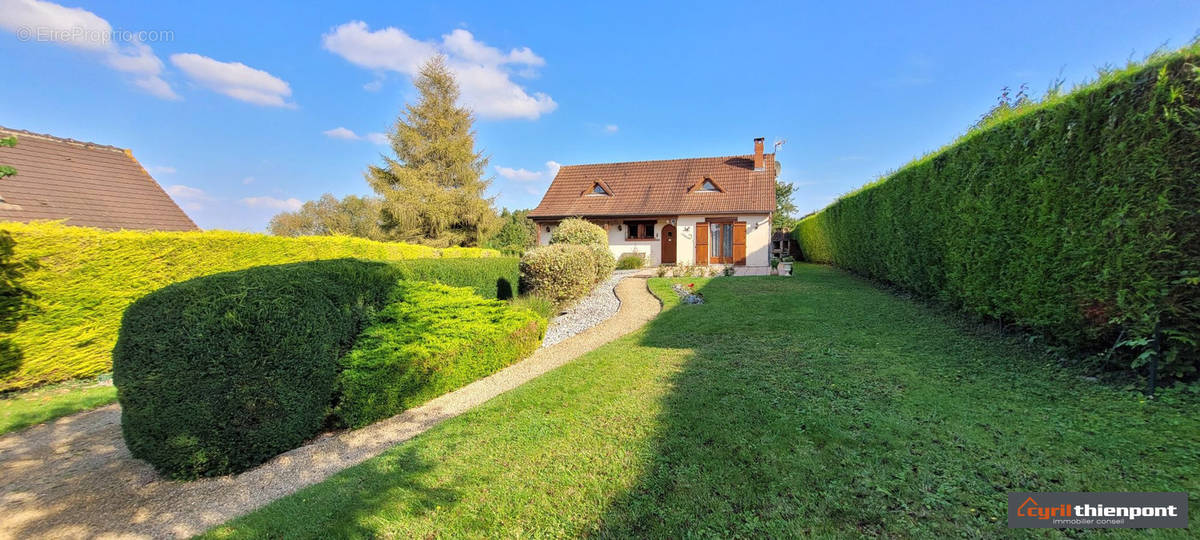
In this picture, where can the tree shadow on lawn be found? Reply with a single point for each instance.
(821, 405)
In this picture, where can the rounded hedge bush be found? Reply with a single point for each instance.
(580, 232)
(561, 273)
(220, 373)
(604, 260)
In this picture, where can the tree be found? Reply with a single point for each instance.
(518, 232)
(10, 142)
(433, 190)
(351, 216)
(784, 207)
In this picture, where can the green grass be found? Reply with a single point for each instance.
(810, 405)
(23, 409)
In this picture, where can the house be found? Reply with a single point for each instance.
(714, 210)
(86, 184)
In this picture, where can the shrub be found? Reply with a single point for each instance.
(82, 280)
(494, 277)
(561, 273)
(429, 340)
(579, 232)
(537, 304)
(631, 261)
(604, 260)
(219, 373)
(1077, 218)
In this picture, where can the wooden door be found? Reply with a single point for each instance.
(701, 243)
(739, 243)
(668, 244)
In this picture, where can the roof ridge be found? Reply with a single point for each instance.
(751, 156)
(59, 139)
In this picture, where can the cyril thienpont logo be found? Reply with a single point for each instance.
(1072, 510)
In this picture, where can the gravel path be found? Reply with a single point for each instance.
(588, 312)
(74, 478)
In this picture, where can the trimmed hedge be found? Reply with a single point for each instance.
(561, 273)
(429, 340)
(496, 277)
(580, 232)
(220, 373)
(1078, 218)
(83, 279)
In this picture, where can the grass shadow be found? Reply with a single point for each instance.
(821, 405)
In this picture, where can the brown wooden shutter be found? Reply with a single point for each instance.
(701, 243)
(739, 243)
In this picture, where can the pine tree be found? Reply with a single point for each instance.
(433, 191)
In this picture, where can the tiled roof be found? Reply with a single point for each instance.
(661, 188)
(87, 184)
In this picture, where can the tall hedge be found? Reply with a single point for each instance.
(82, 279)
(220, 373)
(1079, 218)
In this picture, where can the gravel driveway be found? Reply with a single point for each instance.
(588, 312)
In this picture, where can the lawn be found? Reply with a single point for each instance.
(26, 408)
(811, 405)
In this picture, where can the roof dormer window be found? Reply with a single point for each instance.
(598, 189)
(706, 185)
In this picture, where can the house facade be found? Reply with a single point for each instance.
(697, 211)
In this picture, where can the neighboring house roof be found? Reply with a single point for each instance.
(661, 188)
(87, 184)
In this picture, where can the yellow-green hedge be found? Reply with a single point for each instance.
(84, 279)
(1078, 218)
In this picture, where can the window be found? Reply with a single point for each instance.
(639, 230)
(720, 242)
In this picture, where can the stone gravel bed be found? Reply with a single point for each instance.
(588, 312)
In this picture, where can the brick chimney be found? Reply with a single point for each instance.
(758, 154)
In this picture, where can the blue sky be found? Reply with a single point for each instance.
(241, 109)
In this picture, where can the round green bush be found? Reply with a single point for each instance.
(220, 373)
(561, 273)
(631, 261)
(605, 262)
(579, 232)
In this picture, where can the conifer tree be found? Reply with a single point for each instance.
(433, 190)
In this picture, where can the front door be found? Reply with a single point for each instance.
(668, 244)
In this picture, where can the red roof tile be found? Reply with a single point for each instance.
(87, 184)
(661, 188)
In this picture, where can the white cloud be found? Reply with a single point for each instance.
(37, 20)
(235, 79)
(484, 73)
(526, 175)
(290, 205)
(190, 198)
(161, 169)
(349, 135)
(341, 133)
(611, 128)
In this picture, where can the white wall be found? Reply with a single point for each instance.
(758, 239)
